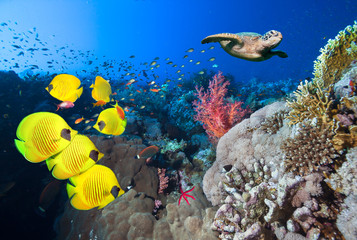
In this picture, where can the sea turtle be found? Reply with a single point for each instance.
(248, 45)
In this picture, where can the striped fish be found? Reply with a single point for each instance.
(96, 187)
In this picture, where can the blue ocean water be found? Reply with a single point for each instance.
(39, 39)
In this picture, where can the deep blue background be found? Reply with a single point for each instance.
(161, 28)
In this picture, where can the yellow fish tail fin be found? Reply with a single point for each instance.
(53, 165)
(51, 162)
(71, 190)
(25, 149)
(20, 145)
(79, 92)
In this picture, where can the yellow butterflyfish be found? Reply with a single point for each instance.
(78, 157)
(96, 187)
(101, 89)
(42, 135)
(111, 121)
(65, 87)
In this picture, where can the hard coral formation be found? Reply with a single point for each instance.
(337, 54)
(239, 216)
(241, 145)
(312, 101)
(309, 151)
(249, 171)
(273, 123)
(181, 113)
(347, 219)
(345, 178)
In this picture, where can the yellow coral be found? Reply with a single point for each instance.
(337, 54)
(312, 101)
(313, 98)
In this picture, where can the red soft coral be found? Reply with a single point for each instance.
(215, 113)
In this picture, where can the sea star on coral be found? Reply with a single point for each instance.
(184, 195)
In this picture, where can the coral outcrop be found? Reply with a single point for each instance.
(244, 145)
(257, 197)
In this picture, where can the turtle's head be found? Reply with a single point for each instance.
(272, 39)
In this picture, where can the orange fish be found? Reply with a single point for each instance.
(148, 152)
(154, 89)
(138, 91)
(114, 93)
(99, 103)
(79, 120)
(132, 99)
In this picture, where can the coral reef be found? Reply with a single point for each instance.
(131, 215)
(257, 197)
(276, 175)
(181, 112)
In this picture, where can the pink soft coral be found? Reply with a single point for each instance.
(215, 113)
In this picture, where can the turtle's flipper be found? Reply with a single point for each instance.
(222, 36)
(279, 53)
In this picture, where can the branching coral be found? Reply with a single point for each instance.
(312, 101)
(309, 151)
(337, 54)
(215, 113)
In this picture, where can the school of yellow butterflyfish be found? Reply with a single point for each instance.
(46, 136)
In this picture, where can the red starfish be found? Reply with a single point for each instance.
(184, 195)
